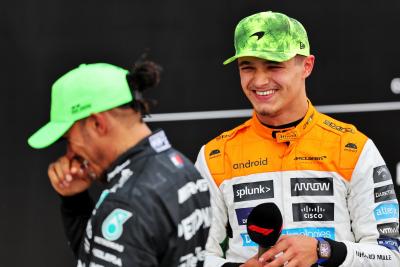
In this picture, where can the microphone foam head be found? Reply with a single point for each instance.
(264, 224)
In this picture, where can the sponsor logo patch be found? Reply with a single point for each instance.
(309, 120)
(214, 153)
(223, 136)
(192, 259)
(89, 229)
(313, 212)
(286, 136)
(86, 245)
(242, 215)
(373, 256)
(252, 191)
(317, 158)
(189, 226)
(176, 160)
(112, 226)
(388, 229)
(381, 174)
(117, 170)
(311, 186)
(250, 164)
(103, 196)
(386, 211)
(390, 243)
(125, 175)
(338, 128)
(108, 257)
(327, 232)
(192, 188)
(159, 142)
(384, 193)
(109, 244)
(247, 242)
(350, 147)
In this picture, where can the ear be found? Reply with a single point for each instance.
(308, 65)
(99, 124)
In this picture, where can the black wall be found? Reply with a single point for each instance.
(356, 44)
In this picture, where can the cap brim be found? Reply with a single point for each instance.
(49, 134)
(273, 56)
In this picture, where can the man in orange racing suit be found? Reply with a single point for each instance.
(329, 181)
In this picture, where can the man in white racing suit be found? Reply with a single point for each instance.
(329, 181)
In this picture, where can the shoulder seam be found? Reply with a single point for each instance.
(227, 135)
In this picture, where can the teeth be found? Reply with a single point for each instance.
(263, 93)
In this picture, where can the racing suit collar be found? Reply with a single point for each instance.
(141, 149)
(286, 134)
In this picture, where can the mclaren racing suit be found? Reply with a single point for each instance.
(327, 179)
(156, 212)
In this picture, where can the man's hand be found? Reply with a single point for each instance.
(252, 262)
(291, 251)
(68, 177)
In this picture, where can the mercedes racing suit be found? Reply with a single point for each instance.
(327, 179)
(155, 212)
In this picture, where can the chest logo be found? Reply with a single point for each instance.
(250, 164)
(311, 186)
(313, 212)
(112, 226)
(253, 191)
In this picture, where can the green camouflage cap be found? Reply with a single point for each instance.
(271, 36)
(85, 90)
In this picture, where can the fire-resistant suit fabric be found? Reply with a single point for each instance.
(327, 178)
(155, 212)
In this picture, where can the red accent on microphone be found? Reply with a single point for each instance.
(260, 230)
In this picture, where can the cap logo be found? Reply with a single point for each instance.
(302, 45)
(258, 34)
(78, 107)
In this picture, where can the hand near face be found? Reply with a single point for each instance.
(68, 176)
(298, 251)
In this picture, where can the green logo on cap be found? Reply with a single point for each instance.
(258, 34)
(78, 108)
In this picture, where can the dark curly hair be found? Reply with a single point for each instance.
(144, 74)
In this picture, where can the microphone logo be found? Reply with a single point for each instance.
(260, 230)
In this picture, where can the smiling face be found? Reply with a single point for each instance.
(276, 89)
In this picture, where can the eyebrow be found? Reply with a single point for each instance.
(244, 63)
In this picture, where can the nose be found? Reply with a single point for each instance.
(261, 79)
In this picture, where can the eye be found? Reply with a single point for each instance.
(246, 68)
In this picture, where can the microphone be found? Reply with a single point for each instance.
(264, 226)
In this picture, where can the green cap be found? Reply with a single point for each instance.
(85, 90)
(271, 36)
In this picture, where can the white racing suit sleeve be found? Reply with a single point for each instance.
(217, 234)
(374, 212)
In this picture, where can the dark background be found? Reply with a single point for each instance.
(356, 44)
